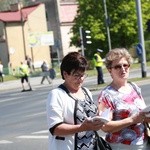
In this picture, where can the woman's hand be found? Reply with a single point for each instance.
(89, 124)
(138, 118)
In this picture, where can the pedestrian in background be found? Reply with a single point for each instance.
(52, 73)
(24, 73)
(98, 62)
(45, 72)
(126, 130)
(1, 72)
(29, 63)
(69, 106)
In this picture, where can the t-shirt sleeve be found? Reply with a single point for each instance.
(54, 109)
(106, 99)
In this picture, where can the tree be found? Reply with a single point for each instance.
(122, 19)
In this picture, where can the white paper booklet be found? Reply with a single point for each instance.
(104, 116)
(147, 110)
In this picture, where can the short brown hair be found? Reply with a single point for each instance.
(116, 54)
(73, 61)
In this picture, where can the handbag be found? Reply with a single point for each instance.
(147, 125)
(101, 144)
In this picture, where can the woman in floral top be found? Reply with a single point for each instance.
(126, 129)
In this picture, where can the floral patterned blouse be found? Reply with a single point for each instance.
(123, 106)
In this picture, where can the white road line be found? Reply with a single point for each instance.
(40, 132)
(37, 114)
(9, 99)
(32, 137)
(5, 142)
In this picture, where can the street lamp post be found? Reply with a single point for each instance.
(141, 37)
(107, 24)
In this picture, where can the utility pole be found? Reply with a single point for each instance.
(107, 24)
(141, 37)
(81, 38)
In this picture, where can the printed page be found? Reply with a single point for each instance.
(104, 116)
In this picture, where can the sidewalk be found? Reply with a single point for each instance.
(90, 82)
(16, 84)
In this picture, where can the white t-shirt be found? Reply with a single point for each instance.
(1, 68)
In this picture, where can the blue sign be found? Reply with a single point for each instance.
(139, 49)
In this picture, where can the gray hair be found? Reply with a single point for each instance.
(116, 54)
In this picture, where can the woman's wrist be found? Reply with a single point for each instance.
(80, 128)
(131, 120)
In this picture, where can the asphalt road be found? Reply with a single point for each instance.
(23, 123)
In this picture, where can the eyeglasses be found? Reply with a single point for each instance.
(78, 76)
(120, 66)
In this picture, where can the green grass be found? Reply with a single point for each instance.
(10, 77)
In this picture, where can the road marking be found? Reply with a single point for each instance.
(37, 114)
(32, 137)
(9, 99)
(41, 132)
(5, 142)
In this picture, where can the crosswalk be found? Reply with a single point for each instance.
(43, 134)
(35, 135)
(5, 142)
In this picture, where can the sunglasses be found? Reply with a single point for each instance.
(120, 66)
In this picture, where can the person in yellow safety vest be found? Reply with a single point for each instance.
(24, 73)
(98, 62)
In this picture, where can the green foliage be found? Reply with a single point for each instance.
(122, 23)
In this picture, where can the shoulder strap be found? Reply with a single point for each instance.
(66, 90)
(135, 88)
(86, 93)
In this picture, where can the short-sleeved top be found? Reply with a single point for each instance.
(123, 106)
(1, 68)
(61, 108)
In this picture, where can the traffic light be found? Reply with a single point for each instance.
(86, 37)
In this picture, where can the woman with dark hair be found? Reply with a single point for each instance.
(69, 106)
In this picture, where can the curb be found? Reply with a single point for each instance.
(35, 83)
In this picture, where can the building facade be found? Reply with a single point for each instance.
(60, 19)
(61, 15)
(17, 26)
